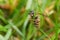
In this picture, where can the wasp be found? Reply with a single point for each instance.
(35, 19)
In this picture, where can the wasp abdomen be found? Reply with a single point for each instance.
(37, 22)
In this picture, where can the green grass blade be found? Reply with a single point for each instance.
(1, 37)
(17, 30)
(8, 34)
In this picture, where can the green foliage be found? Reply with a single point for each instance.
(21, 25)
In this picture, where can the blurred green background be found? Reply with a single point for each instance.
(29, 19)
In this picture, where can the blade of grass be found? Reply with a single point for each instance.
(56, 31)
(3, 29)
(17, 30)
(44, 33)
(23, 18)
(1, 37)
(24, 25)
(8, 34)
(43, 36)
(4, 20)
(1, 13)
(29, 3)
(30, 31)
